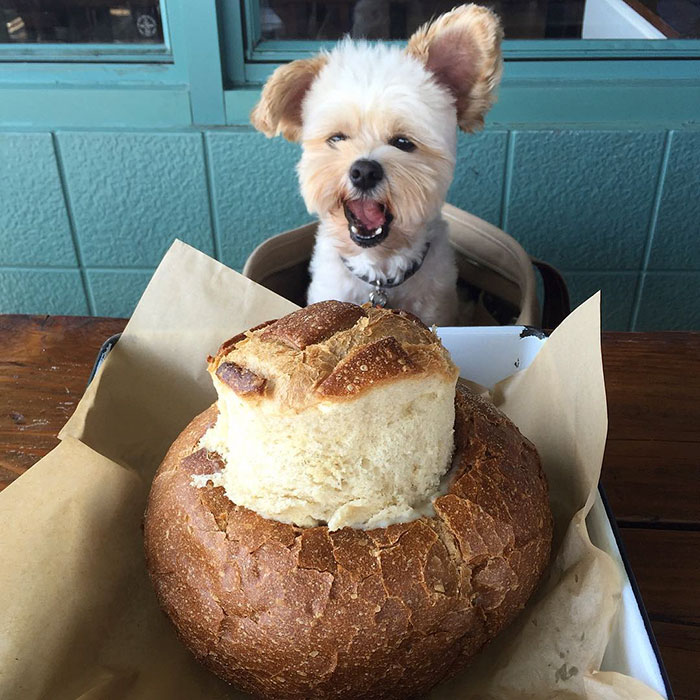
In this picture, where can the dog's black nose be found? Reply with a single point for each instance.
(365, 174)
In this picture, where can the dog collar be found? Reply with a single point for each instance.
(378, 296)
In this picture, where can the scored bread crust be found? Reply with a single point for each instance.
(328, 352)
(289, 613)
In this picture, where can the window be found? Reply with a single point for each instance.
(71, 22)
(275, 31)
(567, 61)
(55, 53)
(166, 63)
(85, 31)
(522, 19)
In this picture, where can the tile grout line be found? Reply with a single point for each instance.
(87, 289)
(211, 197)
(653, 220)
(507, 180)
(135, 268)
(72, 268)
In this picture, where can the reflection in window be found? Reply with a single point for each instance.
(522, 19)
(80, 22)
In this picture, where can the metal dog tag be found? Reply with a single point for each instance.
(378, 297)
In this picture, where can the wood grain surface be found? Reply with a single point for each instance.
(651, 469)
(45, 362)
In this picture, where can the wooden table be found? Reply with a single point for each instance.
(651, 470)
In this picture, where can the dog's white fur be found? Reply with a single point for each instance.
(445, 78)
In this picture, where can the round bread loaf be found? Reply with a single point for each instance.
(308, 611)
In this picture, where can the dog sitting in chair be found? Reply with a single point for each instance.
(378, 128)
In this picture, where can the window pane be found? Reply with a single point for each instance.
(80, 22)
(522, 19)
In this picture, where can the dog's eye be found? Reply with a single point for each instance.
(335, 138)
(403, 144)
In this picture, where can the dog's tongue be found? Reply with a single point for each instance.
(368, 212)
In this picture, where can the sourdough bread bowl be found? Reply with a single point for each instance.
(348, 520)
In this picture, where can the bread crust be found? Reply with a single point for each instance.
(329, 351)
(368, 365)
(289, 613)
(314, 324)
(240, 379)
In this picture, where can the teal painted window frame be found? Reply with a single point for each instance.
(177, 84)
(278, 51)
(88, 53)
(92, 52)
(636, 83)
(97, 63)
(210, 74)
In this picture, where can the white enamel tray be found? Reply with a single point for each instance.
(488, 355)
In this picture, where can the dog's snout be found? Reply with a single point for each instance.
(365, 174)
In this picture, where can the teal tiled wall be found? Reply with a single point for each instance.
(582, 200)
(254, 191)
(676, 244)
(669, 300)
(42, 290)
(34, 226)
(87, 215)
(116, 292)
(479, 174)
(129, 194)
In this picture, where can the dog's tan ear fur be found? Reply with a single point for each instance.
(462, 48)
(279, 109)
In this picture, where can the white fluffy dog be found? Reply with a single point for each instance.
(378, 128)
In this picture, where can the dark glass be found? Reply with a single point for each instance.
(80, 22)
(522, 19)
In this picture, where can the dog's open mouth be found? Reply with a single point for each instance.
(368, 221)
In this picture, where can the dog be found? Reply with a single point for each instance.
(378, 129)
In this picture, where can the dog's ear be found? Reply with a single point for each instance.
(279, 109)
(462, 48)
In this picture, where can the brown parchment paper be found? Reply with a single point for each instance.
(78, 618)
